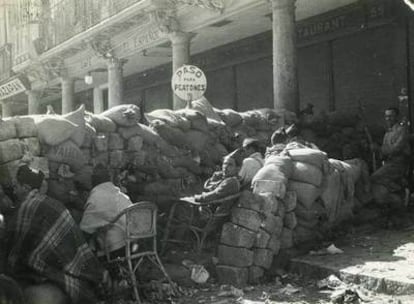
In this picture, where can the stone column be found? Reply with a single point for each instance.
(6, 109)
(33, 102)
(98, 102)
(180, 42)
(285, 83)
(115, 88)
(68, 94)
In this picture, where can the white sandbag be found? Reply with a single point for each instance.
(54, 129)
(7, 129)
(230, 117)
(306, 193)
(284, 163)
(311, 156)
(10, 150)
(170, 117)
(77, 117)
(25, 126)
(68, 153)
(204, 106)
(269, 172)
(100, 123)
(124, 115)
(306, 173)
(276, 186)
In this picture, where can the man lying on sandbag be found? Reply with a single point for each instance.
(387, 181)
(46, 251)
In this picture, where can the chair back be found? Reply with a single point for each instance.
(141, 220)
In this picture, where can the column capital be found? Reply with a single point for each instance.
(178, 37)
(282, 4)
(115, 62)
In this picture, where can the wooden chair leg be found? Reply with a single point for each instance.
(133, 281)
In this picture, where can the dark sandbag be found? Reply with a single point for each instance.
(188, 163)
(25, 126)
(170, 117)
(173, 136)
(100, 123)
(11, 149)
(198, 140)
(90, 134)
(197, 119)
(230, 117)
(68, 153)
(7, 129)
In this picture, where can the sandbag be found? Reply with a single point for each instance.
(283, 163)
(90, 133)
(310, 156)
(276, 186)
(197, 119)
(7, 129)
(255, 120)
(170, 117)
(306, 173)
(100, 123)
(306, 193)
(173, 136)
(125, 115)
(270, 172)
(25, 126)
(204, 106)
(230, 117)
(198, 140)
(10, 150)
(69, 153)
(32, 145)
(54, 129)
(77, 117)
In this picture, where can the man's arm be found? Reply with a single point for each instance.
(395, 148)
(227, 187)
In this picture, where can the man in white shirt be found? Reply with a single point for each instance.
(104, 203)
(252, 163)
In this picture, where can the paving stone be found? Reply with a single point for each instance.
(274, 244)
(255, 274)
(271, 223)
(262, 239)
(247, 218)
(290, 220)
(236, 276)
(234, 256)
(290, 201)
(115, 142)
(237, 236)
(263, 257)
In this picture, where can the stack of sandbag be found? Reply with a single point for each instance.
(19, 144)
(251, 239)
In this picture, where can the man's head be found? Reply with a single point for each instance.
(229, 167)
(250, 145)
(27, 180)
(391, 116)
(100, 174)
(279, 136)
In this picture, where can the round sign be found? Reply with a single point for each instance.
(189, 83)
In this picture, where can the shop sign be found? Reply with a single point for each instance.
(11, 88)
(189, 83)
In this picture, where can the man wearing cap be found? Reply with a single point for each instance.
(252, 163)
(104, 203)
(47, 253)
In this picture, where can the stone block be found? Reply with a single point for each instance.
(234, 256)
(25, 126)
(286, 239)
(237, 236)
(270, 202)
(290, 220)
(290, 201)
(10, 149)
(262, 239)
(256, 273)
(263, 257)
(7, 129)
(247, 218)
(115, 142)
(32, 144)
(117, 159)
(271, 223)
(101, 142)
(236, 276)
(135, 143)
(274, 244)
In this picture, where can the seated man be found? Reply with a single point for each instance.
(46, 247)
(387, 181)
(104, 203)
(252, 163)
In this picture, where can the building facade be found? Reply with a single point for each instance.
(335, 55)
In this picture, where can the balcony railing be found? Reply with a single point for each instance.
(67, 18)
(5, 62)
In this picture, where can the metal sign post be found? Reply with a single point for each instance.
(189, 83)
